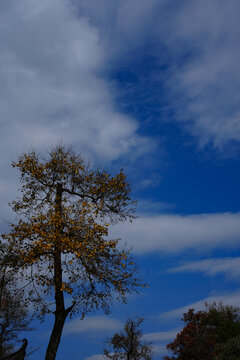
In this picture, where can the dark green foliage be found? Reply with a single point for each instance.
(229, 350)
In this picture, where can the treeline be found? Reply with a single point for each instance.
(210, 334)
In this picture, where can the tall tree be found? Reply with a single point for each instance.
(203, 331)
(62, 236)
(13, 313)
(128, 344)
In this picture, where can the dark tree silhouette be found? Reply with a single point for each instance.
(203, 331)
(229, 350)
(128, 344)
(13, 312)
(19, 354)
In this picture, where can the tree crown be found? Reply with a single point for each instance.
(128, 344)
(66, 208)
(204, 330)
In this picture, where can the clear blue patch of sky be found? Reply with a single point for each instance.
(195, 180)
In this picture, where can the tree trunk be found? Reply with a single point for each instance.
(60, 312)
(55, 336)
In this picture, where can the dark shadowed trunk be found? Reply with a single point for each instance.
(55, 336)
(60, 312)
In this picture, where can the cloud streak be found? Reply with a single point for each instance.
(177, 233)
(227, 266)
(161, 336)
(95, 357)
(232, 299)
(95, 325)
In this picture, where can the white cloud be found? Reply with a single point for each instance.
(52, 88)
(228, 266)
(209, 81)
(95, 357)
(175, 233)
(51, 83)
(227, 299)
(96, 324)
(161, 336)
(148, 207)
(201, 43)
(54, 54)
(123, 25)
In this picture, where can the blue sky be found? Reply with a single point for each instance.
(152, 86)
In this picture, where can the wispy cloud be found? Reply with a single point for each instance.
(95, 357)
(228, 266)
(161, 336)
(200, 41)
(228, 299)
(96, 324)
(149, 207)
(176, 233)
(208, 82)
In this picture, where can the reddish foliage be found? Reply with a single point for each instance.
(203, 330)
